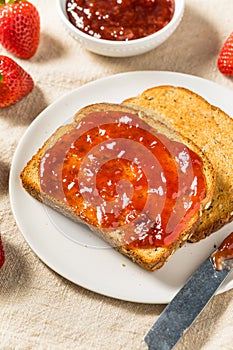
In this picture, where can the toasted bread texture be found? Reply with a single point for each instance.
(151, 258)
(212, 131)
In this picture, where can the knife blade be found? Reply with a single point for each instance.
(189, 302)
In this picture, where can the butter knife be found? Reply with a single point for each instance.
(189, 302)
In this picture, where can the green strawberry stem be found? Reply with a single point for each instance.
(1, 78)
(3, 2)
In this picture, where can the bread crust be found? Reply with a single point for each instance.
(211, 129)
(152, 258)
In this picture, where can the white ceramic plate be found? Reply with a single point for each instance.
(87, 260)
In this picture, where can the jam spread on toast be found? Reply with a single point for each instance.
(116, 172)
(224, 252)
(120, 19)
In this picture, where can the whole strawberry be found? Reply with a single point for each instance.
(2, 257)
(15, 82)
(19, 27)
(225, 58)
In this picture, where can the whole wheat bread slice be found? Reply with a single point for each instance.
(211, 129)
(148, 258)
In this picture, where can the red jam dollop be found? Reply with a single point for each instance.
(117, 172)
(120, 19)
(224, 252)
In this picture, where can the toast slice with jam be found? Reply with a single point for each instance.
(137, 184)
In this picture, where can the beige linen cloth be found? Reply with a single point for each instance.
(38, 308)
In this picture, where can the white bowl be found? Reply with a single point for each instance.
(122, 48)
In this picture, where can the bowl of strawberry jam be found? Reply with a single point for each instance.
(120, 28)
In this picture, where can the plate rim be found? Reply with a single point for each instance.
(43, 114)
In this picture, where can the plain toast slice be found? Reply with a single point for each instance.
(212, 131)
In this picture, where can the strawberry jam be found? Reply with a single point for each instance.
(117, 172)
(224, 252)
(120, 19)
